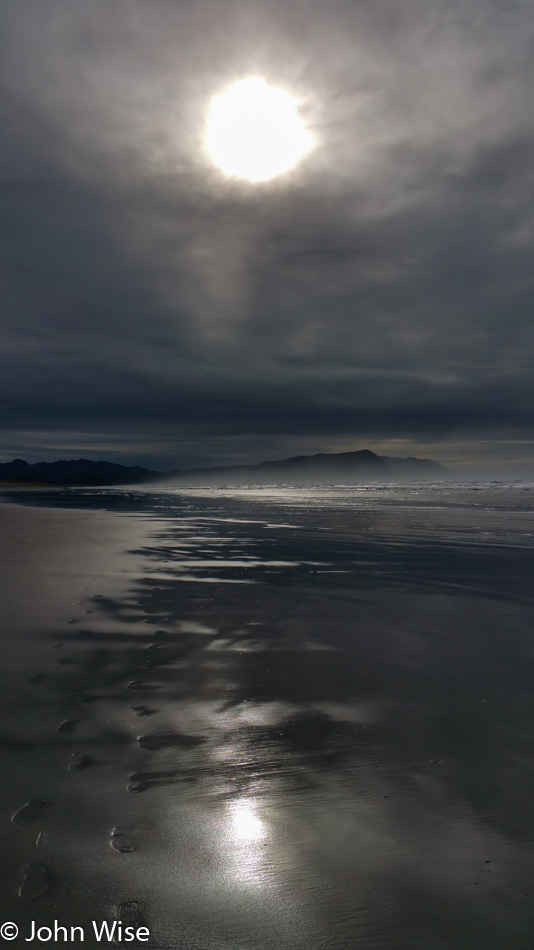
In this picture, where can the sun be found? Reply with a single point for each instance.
(254, 131)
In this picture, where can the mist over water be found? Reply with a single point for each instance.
(273, 718)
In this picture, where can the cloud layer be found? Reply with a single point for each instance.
(379, 294)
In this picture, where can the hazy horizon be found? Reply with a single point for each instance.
(456, 468)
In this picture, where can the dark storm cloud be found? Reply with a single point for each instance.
(383, 290)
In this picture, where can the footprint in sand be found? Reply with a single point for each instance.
(79, 761)
(41, 839)
(121, 842)
(35, 882)
(28, 812)
(68, 725)
(130, 913)
(143, 711)
(36, 680)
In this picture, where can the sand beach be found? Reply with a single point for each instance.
(269, 720)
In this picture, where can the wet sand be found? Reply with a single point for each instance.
(254, 722)
(54, 567)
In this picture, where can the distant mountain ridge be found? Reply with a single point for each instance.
(75, 472)
(345, 467)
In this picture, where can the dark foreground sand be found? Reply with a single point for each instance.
(246, 724)
(52, 565)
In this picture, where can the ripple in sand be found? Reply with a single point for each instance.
(79, 761)
(28, 812)
(164, 740)
(35, 882)
(68, 725)
(143, 780)
(121, 842)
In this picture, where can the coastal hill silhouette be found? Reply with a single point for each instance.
(343, 467)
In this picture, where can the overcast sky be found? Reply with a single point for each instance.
(379, 295)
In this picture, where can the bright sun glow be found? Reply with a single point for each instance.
(254, 131)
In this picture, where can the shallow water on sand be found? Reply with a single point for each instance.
(272, 720)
